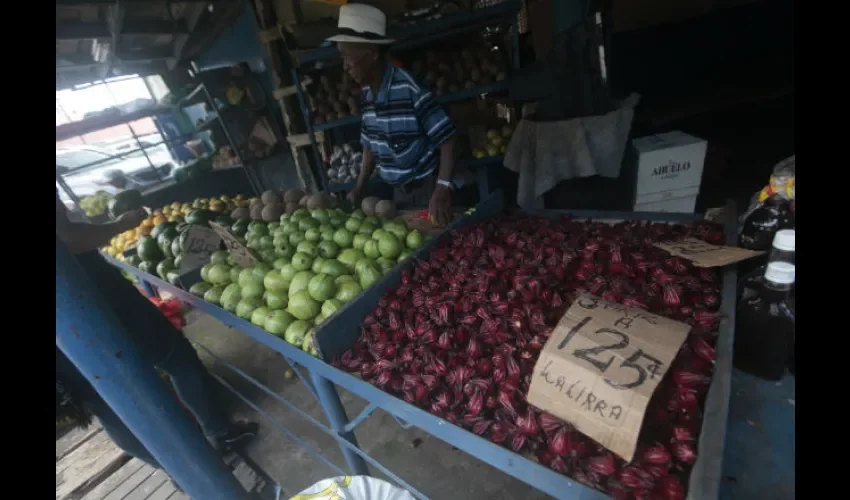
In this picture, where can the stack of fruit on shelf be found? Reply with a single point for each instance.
(158, 239)
(271, 205)
(494, 143)
(344, 164)
(336, 96)
(310, 262)
(225, 158)
(452, 71)
(461, 334)
(95, 204)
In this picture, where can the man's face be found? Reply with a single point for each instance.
(358, 60)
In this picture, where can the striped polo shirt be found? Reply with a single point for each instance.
(404, 127)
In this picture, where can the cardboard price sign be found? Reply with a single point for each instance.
(704, 254)
(240, 253)
(601, 366)
(200, 244)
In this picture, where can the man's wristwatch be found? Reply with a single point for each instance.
(447, 184)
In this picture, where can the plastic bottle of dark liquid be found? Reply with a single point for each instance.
(762, 224)
(759, 228)
(765, 323)
(782, 250)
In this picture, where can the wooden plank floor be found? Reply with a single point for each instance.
(89, 466)
(74, 439)
(95, 457)
(136, 480)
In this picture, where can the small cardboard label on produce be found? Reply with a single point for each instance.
(240, 253)
(601, 366)
(704, 254)
(198, 247)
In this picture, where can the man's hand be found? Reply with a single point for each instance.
(440, 206)
(134, 217)
(83, 236)
(354, 195)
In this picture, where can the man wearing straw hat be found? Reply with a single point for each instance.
(405, 131)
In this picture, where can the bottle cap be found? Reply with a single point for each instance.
(781, 273)
(784, 240)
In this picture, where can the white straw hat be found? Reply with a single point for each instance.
(360, 23)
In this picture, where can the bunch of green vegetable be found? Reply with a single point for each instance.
(95, 204)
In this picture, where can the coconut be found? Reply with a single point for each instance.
(368, 205)
(270, 197)
(385, 209)
(272, 211)
(319, 200)
(291, 207)
(256, 212)
(293, 195)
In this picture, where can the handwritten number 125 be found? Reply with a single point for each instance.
(592, 356)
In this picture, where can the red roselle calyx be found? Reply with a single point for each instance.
(683, 433)
(550, 424)
(461, 334)
(602, 465)
(656, 455)
(670, 488)
(657, 471)
(559, 443)
(684, 452)
(703, 350)
(527, 424)
(633, 477)
(686, 378)
(475, 404)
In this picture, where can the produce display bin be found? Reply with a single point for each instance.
(339, 332)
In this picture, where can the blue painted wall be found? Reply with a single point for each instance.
(239, 43)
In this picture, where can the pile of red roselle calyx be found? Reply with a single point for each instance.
(461, 334)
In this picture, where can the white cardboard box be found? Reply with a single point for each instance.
(667, 163)
(678, 200)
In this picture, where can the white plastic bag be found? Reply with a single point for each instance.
(353, 488)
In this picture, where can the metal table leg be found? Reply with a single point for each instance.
(93, 338)
(326, 392)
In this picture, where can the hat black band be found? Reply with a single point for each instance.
(368, 35)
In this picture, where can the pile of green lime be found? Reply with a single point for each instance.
(311, 263)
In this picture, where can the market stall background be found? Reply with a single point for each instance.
(210, 192)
